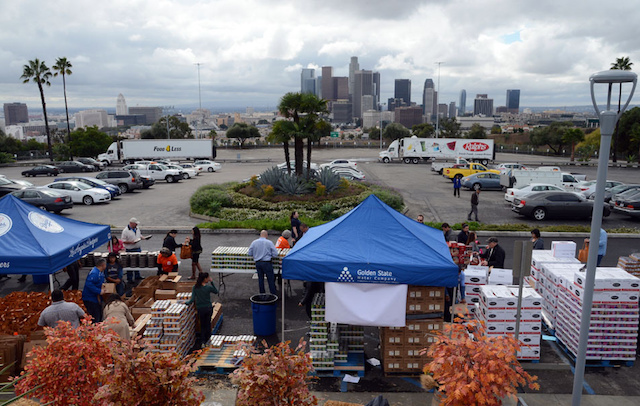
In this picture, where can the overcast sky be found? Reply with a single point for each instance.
(252, 51)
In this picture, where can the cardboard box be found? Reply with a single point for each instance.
(107, 290)
(499, 276)
(563, 249)
(168, 282)
(28, 346)
(184, 286)
(476, 274)
(164, 294)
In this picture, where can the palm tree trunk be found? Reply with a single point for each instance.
(573, 146)
(298, 154)
(287, 156)
(309, 147)
(46, 121)
(66, 109)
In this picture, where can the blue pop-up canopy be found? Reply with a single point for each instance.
(372, 243)
(34, 242)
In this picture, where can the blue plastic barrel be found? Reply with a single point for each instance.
(264, 314)
(40, 279)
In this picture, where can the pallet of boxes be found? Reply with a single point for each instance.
(400, 347)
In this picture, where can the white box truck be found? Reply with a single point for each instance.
(414, 149)
(519, 178)
(129, 151)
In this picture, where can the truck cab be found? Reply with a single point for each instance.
(390, 154)
(107, 158)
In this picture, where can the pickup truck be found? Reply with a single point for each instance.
(466, 170)
(438, 166)
(156, 172)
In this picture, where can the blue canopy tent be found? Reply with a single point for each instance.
(35, 242)
(372, 243)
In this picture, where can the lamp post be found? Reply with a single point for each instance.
(608, 120)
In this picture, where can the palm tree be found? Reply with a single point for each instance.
(38, 72)
(63, 67)
(623, 63)
(282, 131)
(573, 136)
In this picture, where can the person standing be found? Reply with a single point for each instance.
(114, 273)
(602, 245)
(91, 294)
(262, 251)
(457, 184)
(131, 237)
(283, 240)
(475, 200)
(538, 243)
(307, 300)
(463, 235)
(73, 270)
(60, 310)
(295, 227)
(196, 250)
(166, 262)
(420, 219)
(170, 240)
(201, 296)
(118, 310)
(494, 255)
(446, 231)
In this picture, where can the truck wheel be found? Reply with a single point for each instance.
(106, 163)
(386, 160)
(169, 179)
(124, 188)
(407, 160)
(415, 160)
(440, 172)
(484, 162)
(476, 186)
(539, 213)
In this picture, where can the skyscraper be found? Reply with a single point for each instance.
(341, 88)
(363, 86)
(428, 98)
(376, 90)
(353, 67)
(403, 90)
(327, 83)
(513, 100)
(482, 105)
(121, 106)
(15, 113)
(462, 109)
(452, 109)
(308, 81)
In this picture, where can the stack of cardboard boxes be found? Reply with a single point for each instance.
(165, 287)
(630, 264)
(401, 346)
(239, 258)
(171, 327)
(541, 257)
(498, 310)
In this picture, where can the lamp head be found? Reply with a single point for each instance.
(610, 77)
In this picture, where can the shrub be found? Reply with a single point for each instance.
(268, 190)
(253, 181)
(321, 189)
(292, 185)
(271, 176)
(329, 179)
(6, 158)
(326, 212)
(209, 199)
(391, 198)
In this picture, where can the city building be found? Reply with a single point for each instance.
(462, 105)
(126, 120)
(408, 116)
(341, 88)
(93, 117)
(482, 105)
(353, 67)
(342, 111)
(428, 100)
(308, 81)
(327, 83)
(372, 118)
(152, 114)
(443, 110)
(452, 109)
(513, 101)
(15, 113)
(393, 103)
(363, 86)
(319, 87)
(121, 106)
(402, 90)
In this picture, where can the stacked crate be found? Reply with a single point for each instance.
(218, 342)
(541, 257)
(239, 258)
(171, 327)
(475, 276)
(460, 253)
(613, 331)
(555, 276)
(630, 264)
(498, 310)
(401, 346)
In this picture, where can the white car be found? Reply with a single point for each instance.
(345, 163)
(196, 169)
(187, 173)
(588, 187)
(80, 192)
(348, 173)
(209, 166)
(515, 193)
(283, 165)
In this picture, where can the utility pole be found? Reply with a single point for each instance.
(438, 102)
(199, 98)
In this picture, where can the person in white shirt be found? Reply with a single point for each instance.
(131, 237)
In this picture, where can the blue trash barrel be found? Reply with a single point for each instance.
(264, 314)
(41, 279)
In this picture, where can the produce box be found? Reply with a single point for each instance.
(165, 294)
(170, 282)
(184, 286)
(107, 290)
(11, 348)
(28, 346)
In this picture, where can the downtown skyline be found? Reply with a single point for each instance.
(252, 53)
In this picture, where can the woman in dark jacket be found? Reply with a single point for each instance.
(170, 240)
(201, 296)
(196, 250)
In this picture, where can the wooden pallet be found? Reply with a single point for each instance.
(220, 362)
(593, 363)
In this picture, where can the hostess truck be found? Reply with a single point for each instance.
(414, 150)
(129, 151)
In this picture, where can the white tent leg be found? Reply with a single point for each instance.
(51, 282)
(282, 304)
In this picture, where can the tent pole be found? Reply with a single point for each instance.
(282, 304)
(51, 282)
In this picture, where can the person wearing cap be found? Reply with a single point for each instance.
(283, 241)
(494, 255)
(113, 273)
(131, 237)
(167, 261)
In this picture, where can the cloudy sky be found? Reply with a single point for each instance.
(251, 51)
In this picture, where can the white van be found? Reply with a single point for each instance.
(521, 178)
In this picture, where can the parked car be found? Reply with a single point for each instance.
(482, 181)
(6, 188)
(588, 187)
(629, 206)
(94, 182)
(48, 200)
(73, 166)
(516, 193)
(196, 169)
(542, 205)
(187, 173)
(157, 172)
(618, 198)
(506, 167)
(348, 173)
(341, 163)
(608, 193)
(147, 181)
(16, 183)
(48, 170)
(209, 166)
(97, 165)
(80, 192)
(125, 180)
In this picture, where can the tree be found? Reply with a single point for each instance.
(282, 131)
(37, 71)
(424, 130)
(477, 131)
(634, 136)
(89, 141)
(496, 129)
(63, 67)
(242, 132)
(395, 131)
(573, 136)
(624, 127)
(551, 136)
(450, 128)
(177, 129)
(623, 63)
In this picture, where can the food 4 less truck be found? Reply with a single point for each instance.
(414, 149)
(130, 151)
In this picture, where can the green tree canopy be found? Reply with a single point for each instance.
(424, 130)
(242, 132)
(552, 136)
(177, 129)
(89, 142)
(573, 136)
(496, 129)
(450, 128)
(395, 131)
(477, 131)
(625, 128)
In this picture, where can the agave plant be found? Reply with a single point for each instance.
(329, 179)
(271, 176)
(293, 185)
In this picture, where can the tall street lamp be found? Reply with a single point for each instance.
(608, 120)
